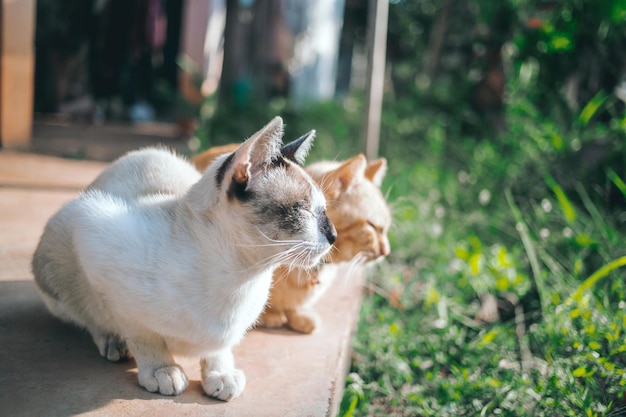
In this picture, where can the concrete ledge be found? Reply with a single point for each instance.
(103, 142)
(52, 369)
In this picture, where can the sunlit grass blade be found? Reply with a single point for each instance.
(592, 107)
(617, 181)
(522, 229)
(595, 277)
(599, 220)
(566, 205)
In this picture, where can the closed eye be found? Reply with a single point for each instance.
(373, 226)
(310, 212)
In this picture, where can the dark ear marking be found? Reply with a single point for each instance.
(221, 171)
(238, 191)
(279, 161)
(297, 150)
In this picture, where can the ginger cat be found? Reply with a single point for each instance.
(362, 218)
(155, 259)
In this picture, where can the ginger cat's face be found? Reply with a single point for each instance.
(356, 206)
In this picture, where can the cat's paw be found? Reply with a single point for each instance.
(224, 386)
(272, 320)
(112, 347)
(303, 322)
(169, 380)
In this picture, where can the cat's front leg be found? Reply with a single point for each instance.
(303, 320)
(220, 378)
(272, 318)
(111, 346)
(157, 370)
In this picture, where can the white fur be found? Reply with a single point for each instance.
(156, 256)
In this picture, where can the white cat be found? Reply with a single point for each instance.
(164, 260)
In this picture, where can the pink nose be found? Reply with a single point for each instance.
(384, 248)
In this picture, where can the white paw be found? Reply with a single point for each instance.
(169, 380)
(224, 386)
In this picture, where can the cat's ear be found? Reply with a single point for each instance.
(257, 151)
(345, 175)
(376, 170)
(297, 150)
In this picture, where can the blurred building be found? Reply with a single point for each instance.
(99, 61)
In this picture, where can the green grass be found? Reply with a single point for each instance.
(507, 217)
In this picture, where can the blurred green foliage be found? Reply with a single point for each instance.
(534, 214)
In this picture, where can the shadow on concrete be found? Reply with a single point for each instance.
(54, 369)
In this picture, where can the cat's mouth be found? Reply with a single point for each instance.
(370, 258)
(311, 256)
(374, 260)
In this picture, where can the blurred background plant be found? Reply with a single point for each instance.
(506, 146)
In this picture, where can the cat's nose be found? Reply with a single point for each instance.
(328, 229)
(332, 235)
(385, 249)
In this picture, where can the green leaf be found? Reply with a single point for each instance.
(394, 328)
(530, 249)
(592, 107)
(475, 263)
(595, 277)
(578, 266)
(503, 258)
(584, 241)
(502, 283)
(557, 141)
(432, 296)
(561, 43)
(488, 338)
(594, 345)
(566, 205)
(462, 253)
(617, 181)
(580, 372)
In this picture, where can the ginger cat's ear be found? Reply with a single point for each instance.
(376, 170)
(342, 178)
(257, 151)
(204, 159)
(297, 150)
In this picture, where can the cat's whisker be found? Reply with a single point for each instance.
(262, 245)
(278, 241)
(333, 249)
(355, 263)
(351, 267)
(299, 259)
(276, 259)
(333, 203)
(292, 255)
(323, 184)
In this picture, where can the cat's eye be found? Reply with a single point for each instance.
(310, 212)
(370, 224)
(299, 205)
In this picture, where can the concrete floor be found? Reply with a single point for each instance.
(48, 368)
(102, 142)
